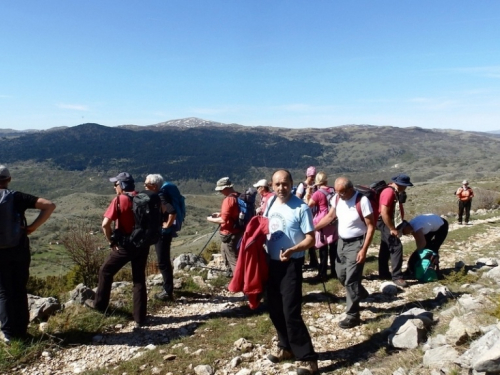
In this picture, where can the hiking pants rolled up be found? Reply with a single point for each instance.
(162, 248)
(350, 273)
(325, 252)
(114, 263)
(230, 252)
(14, 275)
(284, 296)
(464, 206)
(434, 240)
(390, 248)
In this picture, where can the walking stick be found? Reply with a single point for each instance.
(327, 296)
(213, 234)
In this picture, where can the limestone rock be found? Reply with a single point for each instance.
(42, 308)
(203, 370)
(461, 329)
(440, 356)
(489, 361)
(81, 293)
(409, 335)
(188, 260)
(478, 348)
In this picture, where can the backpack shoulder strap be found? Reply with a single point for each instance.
(269, 205)
(358, 206)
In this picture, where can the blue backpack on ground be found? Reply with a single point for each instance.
(10, 221)
(178, 201)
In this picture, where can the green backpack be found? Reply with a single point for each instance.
(423, 265)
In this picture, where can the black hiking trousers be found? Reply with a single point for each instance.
(138, 258)
(464, 206)
(390, 248)
(14, 275)
(162, 248)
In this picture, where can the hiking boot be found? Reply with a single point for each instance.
(90, 304)
(350, 322)
(279, 354)
(401, 283)
(363, 294)
(307, 368)
(4, 338)
(459, 223)
(164, 296)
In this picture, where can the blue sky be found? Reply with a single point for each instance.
(433, 64)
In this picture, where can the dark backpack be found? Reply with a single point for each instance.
(178, 201)
(10, 221)
(146, 207)
(246, 206)
(371, 192)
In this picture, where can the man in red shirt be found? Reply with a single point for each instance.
(120, 212)
(391, 217)
(230, 232)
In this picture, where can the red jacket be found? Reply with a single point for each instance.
(251, 272)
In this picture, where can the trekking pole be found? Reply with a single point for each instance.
(213, 234)
(327, 296)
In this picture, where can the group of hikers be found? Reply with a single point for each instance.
(265, 253)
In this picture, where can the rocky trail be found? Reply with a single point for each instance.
(341, 351)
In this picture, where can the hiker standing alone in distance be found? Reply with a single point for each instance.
(291, 232)
(464, 195)
(15, 256)
(230, 233)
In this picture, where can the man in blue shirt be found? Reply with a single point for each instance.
(291, 231)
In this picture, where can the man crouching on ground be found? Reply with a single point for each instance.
(291, 232)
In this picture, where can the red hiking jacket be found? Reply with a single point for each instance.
(251, 272)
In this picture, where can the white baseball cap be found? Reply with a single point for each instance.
(260, 183)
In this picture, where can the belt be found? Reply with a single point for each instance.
(354, 239)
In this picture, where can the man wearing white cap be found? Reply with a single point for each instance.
(265, 193)
(15, 255)
(464, 195)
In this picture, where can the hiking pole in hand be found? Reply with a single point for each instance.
(327, 296)
(213, 234)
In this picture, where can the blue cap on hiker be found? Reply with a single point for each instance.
(4, 173)
(402, 180)
(122, 177)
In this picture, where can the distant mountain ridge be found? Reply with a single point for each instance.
(199, 150)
